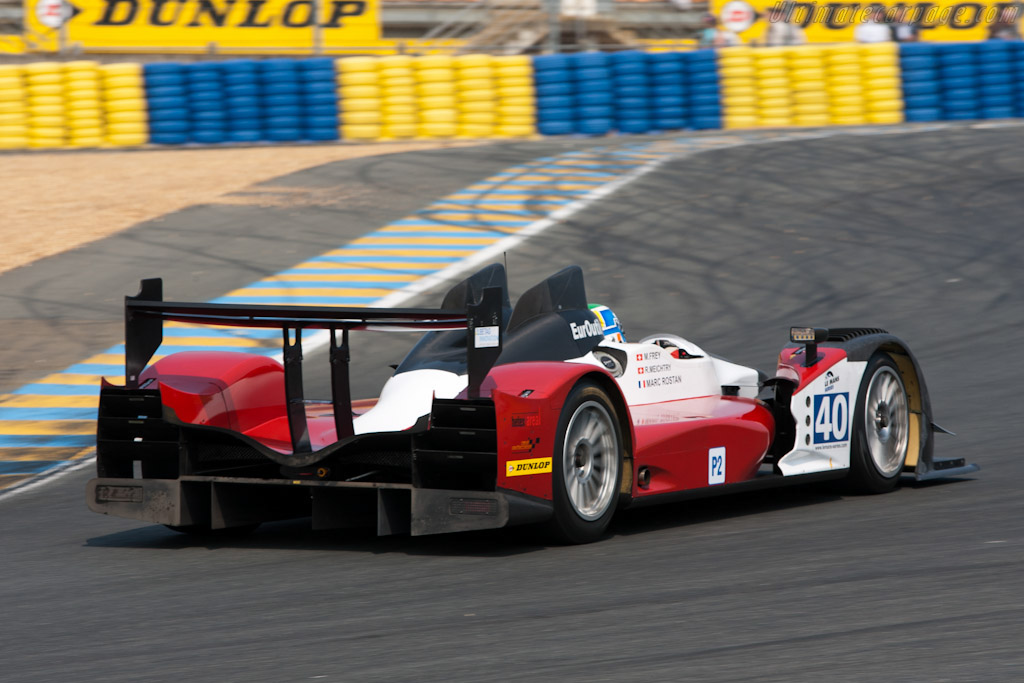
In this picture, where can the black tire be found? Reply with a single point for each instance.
(586, 472)
(881, 428)
(205, 532)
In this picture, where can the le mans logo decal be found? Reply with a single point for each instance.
(831, 380)
(518, 468)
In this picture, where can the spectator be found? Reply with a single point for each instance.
(903, 28)
(780, 30)
(1005, 26)
(873, 29)
(715, 35)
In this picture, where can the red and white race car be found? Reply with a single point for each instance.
(540, 413)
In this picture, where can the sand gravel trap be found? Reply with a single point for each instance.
(52, 202)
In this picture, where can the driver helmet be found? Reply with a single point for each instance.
(609, 322)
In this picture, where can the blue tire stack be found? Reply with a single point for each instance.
(997, 79)
(595, 106)
(280, 99)
(632, 88)
(922, 90)
(702, 87)
(959, 81)
(206, 103)
(242, 101)
(167, 100)
(554, 83)
(319, 99)
(1019, 76)
(668, 90)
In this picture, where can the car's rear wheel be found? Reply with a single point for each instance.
(881, 428)
(587, 468)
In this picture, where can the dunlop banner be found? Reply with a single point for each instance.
(234, 26)
(834, 22)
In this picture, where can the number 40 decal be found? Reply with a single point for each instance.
(831, 417)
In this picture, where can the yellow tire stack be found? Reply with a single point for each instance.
(478, 99)
(13, 109)
(808, 79)
(124, 104)
(516, 104)
(436, 96)
(47, 117)
(774, 105)
(883, 89)
(83, 97)
(398, 97)
(845, 85)
(737, 78)
(360, 94)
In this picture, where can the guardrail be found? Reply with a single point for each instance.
(84, 104)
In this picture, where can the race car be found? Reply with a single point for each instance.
(541, 413)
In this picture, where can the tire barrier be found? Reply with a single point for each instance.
(124, 104)
(961, 81)
(84, 105)
(703, 90)
(594, 93)
(399, 113)
(359, 93)
(477, 97)
(244, 101)
(555, 89)
(632, 104)
(880, 71)
(318, 102)
(207, 103)
(279, 100)
(14, 112)
(594, 79)
(243, 110)
(810, 85)
(436, 96)
(47, 120)
(167, 98)
(516, 103)
(739, 86)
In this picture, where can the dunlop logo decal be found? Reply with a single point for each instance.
(519, 468)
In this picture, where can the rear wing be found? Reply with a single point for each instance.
(145, 313)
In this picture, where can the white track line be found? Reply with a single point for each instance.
(46, 478)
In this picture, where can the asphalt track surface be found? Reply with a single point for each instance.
(919, 234)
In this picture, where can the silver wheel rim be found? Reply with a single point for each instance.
(590, 460)
(886, 422)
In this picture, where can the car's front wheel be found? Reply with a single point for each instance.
(881, 428)
(587, 468)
